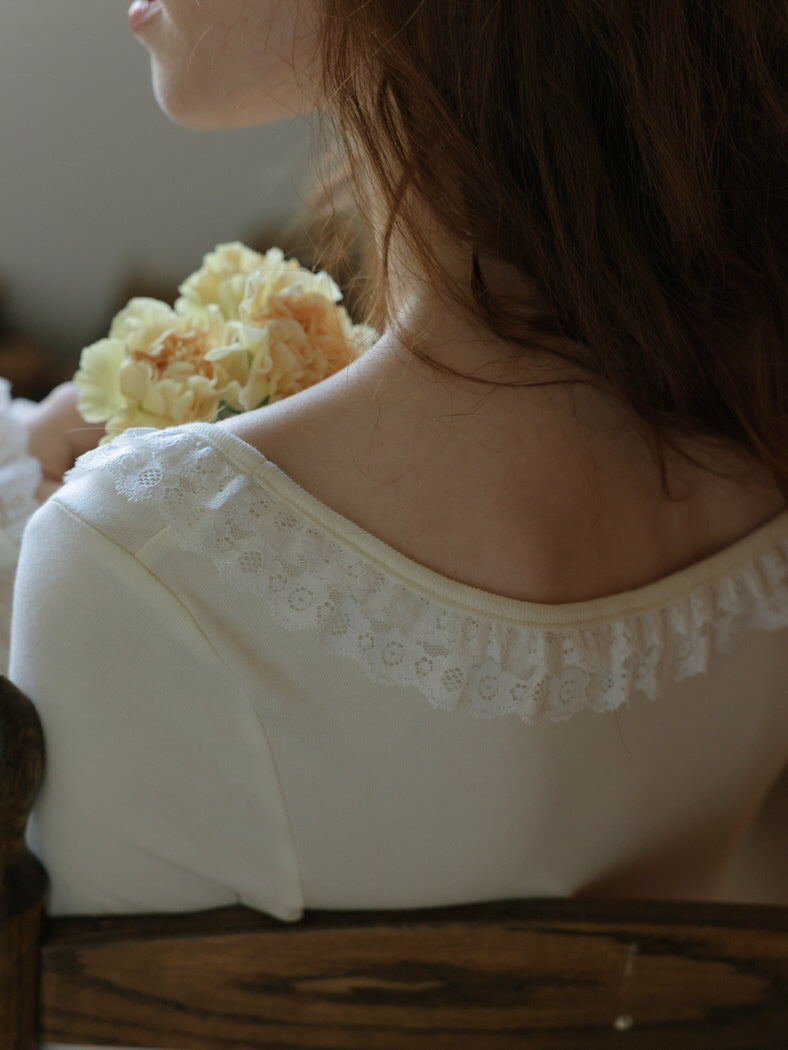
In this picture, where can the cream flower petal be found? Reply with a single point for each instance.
(134, 378)
(220, 281)
(98, 380)
(138, 316)
(130, 416)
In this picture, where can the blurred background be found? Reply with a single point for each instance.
(102, 196)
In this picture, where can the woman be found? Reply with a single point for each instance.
(554, 489)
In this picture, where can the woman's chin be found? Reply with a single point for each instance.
(196, 117)
(183, 108)
(201, 111)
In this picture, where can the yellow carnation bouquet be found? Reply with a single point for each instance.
(247, 329)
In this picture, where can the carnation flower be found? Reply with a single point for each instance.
(154, 369)
(222, 280)
(247, 329)
(296, 335)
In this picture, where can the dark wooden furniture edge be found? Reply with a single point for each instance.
(22, 878)
(541, 973)
(238, 919)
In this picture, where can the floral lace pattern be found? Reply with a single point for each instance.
(20, 473)
(20, 476)
(458, 657)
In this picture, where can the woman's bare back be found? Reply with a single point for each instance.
(547, 494)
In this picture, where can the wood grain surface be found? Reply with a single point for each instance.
(531, 973)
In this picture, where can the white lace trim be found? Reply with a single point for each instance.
(20, 473)
(20, 476)
(546, 662)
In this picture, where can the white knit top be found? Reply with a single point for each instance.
(248, 698)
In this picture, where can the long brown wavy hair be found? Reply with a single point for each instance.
(629, 156)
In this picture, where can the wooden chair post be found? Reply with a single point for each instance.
(22, 878)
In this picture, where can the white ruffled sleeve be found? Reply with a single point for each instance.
(20, 473)
(20, 476)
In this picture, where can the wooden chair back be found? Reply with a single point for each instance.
(536, 974)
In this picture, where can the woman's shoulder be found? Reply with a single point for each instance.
(130, 488)
(209, 490)
(134, 457)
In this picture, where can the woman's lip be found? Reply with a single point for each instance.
(141, 11)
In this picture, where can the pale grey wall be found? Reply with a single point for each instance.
(96, 183)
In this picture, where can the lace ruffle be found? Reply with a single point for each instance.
(20, 473)
(538, 662)
(20, 476)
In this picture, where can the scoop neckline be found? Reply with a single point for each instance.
(666, 590)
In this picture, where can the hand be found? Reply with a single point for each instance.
(57, 435)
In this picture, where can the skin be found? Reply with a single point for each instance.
(230, 63)
(57, 435)
(543, 493)
(547, 494)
